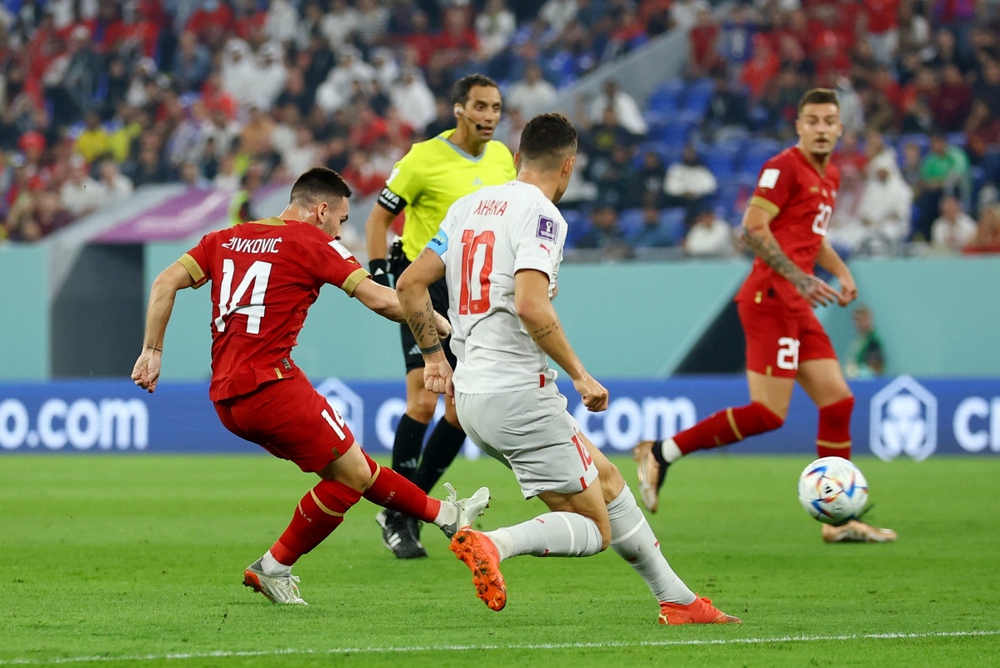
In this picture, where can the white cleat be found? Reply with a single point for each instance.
(468, 509)
(279, 589)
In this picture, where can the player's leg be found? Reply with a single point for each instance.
(823, 380)
(399, 531)
(633, 540)
(772, 362)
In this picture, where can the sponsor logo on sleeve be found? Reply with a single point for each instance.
(547, 228)
(340, 248)
(769, 178)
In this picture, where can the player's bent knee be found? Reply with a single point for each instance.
(761, 419)
(421, 406)
(612, 482)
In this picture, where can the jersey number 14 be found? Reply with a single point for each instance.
(229, 302)
(470, 245)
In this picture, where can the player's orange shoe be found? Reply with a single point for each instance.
(701, 611)
(857, 532)
(481, 556)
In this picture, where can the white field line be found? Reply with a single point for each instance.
(463, 648)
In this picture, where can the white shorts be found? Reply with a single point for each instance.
(533, 434)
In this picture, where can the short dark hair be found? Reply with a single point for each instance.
(460, 91)
(319, 184)
(819, 96)
(547, 139)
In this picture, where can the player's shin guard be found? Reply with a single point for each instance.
(834, 437)
(406, 446)
(391, 490)
(558, 534)
(319, 512)
(728, 426)
(633, 540)
(442, 447)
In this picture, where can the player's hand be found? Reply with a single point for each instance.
(817, 291)
(594, 395)
(443, 326)
(379, 269)
(146, 371)
(848, 290)
(437, 376)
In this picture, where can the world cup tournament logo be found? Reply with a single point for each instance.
(903, 420)
(347, 403)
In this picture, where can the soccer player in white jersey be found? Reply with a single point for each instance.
(499, 251)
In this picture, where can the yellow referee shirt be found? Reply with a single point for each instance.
(431, 176)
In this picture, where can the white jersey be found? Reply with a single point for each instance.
(485, 239)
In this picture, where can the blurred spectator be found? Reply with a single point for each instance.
(709, 236)
(689, 184)
(495, 26)
(413, 100)
(94, 142)
(950, 107)
(116, 186)
(211, 21)
(351, 73)
(987, 239)
(704, 56)
(626, 110)
(604, 233)
(615, 180)
(762, 68)
(239, 72)
(883, 215)
(684, 13)
(295, 93)
(339, 23)
(558, 14)
(190, 175)
(281, 24)
(227, 177)
(80, 193)
(372, 21)
(192, 62)
(945, 169)
(269, 75)
(149, 167)
(241, 207)
(866, 358)
(36, 216)
(954, 229)
(72, 78)
(601, 138)
(302, 156)
(987, 88)
(650, 180)
(727, 115)
(982, 135)
(881, 25)
(533, 95)
(653, 233)
(187, 142)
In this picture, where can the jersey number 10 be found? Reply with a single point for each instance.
(471, 244)
(229, 301)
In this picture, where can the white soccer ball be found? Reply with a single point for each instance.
(833, 490)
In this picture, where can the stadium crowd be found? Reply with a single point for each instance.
(99, 97)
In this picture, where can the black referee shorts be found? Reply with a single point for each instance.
(439, 299)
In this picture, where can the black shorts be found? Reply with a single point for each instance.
(439, 298)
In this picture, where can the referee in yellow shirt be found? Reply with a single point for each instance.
(425, 183)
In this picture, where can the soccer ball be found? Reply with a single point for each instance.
(833, 490)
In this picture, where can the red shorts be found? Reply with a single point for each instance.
(778, 339)
(291, 420)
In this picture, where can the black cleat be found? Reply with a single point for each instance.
(400, 535)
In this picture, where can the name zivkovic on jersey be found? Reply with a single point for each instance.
(484, 240)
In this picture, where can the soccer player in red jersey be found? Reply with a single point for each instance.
(785, 226)
(265, 275)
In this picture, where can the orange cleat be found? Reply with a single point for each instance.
(701, 611)
(481, 556)
(857, 532)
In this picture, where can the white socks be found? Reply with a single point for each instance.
(549, 535)
(272, 566)
(671, 453)
(448, 514)
(633, 540)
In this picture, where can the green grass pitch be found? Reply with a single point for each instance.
(138, 560)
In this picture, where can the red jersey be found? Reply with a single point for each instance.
(265, 275)
(802, 200)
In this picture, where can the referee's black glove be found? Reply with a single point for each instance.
(379, 270)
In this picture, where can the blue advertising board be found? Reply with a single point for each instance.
(901, 417)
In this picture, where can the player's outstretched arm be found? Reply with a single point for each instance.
(756, 234)
(385, 302)
(534, 308)
(832, 262)
(161, 303)
(376, 228)
(415, 298)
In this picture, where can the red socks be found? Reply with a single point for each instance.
(728, 426)
(393, 491)
(319, 512)
(834, 437)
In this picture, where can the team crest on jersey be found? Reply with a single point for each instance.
(547, 228)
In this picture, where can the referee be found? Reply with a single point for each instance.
(424, 184)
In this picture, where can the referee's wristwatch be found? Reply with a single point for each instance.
(379, 270)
